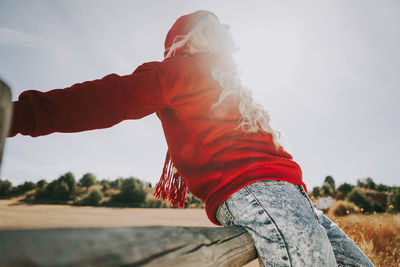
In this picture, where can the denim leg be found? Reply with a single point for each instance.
(281, 222)
(347, 253)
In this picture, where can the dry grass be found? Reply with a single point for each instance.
(378, 236)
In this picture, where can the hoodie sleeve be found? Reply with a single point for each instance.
(89, 105)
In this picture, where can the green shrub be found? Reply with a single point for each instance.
(376, 206)
(394, 201)
(343, 208)
(5, 188)
(94, 198)
(380, 197)
(154, 203)
(23, 188)
(359, 199)
(364, 203)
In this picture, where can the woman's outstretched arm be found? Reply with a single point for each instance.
(89, 105)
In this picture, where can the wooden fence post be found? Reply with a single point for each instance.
(5, 114)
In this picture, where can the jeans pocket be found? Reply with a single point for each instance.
(223, 215)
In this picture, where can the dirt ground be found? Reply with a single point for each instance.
(16, 215)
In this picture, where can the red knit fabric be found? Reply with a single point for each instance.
(213, 156)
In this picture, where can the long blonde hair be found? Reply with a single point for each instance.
(209, 35)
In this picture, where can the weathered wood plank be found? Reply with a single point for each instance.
(130, 246)
(5, 114)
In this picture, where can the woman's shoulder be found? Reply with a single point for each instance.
(178, 65)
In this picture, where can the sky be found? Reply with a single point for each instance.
(327, 71)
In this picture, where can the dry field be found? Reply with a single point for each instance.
(377, 235)
(14, 215)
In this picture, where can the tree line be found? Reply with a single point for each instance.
(365, 195)
(88, 191)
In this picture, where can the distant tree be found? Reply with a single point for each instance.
(104, 181)
(316, 191)
(5, 188)
(345, 188)
(105, 187)
(370, 184)
(42, 183)
(70, 180)
(367, 183)
(27, 186)
(88, 180)
(106, 184)
(61, 192)
(41, 194)
(382, 188)
(48, 190)
(117, 183)
(22, 188)
(361, 183)
(94, 198)
(329, 179)
(327, 189)
(132, 191)
(60, 189)
(45, 191)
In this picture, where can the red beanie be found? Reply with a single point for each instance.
(183, 26)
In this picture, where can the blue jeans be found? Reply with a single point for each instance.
(286, 229)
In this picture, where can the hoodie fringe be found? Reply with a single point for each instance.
(171, 185)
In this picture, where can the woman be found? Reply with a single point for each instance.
(221, 145)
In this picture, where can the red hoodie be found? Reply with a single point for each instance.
(214, 156)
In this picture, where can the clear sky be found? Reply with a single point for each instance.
(327, 71)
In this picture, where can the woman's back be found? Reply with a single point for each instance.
(213, 155)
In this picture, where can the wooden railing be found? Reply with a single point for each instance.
(129, 246)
